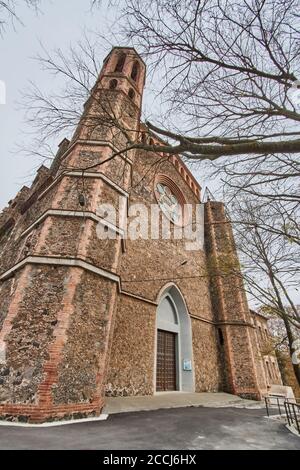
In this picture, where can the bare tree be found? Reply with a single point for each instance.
(281, 347)
(272, 181)
(229, 70)
(230, 73)
(270, 264)
(9, 11)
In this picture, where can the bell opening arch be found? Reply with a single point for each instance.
(173, 366)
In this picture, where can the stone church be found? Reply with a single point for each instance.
(84, 316)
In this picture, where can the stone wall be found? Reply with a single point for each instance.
(131, 366)
(31, 332)
(208, 376)
(239, 353)
(84, 352)
(146, 268)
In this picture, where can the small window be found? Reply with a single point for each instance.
(269, 370)
(120, 63)
(135, 71)
(131, 94)
(221, 336)
(7, 227)
(113, 84)
(274, 370)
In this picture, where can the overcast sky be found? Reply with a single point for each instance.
(59, 24)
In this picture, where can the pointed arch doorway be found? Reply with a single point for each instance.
(174, 355)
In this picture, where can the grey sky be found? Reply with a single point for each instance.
(60, 24)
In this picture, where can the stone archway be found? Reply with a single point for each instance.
(174, 352)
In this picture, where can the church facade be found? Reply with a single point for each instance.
(87, 311)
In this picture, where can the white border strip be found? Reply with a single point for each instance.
(75, 263)
(51, 424)
(61, 262)
(101, 143)
(66, 213)
(90, 174)
(138, 297)
(94, 174)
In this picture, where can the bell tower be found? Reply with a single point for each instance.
(124, 71)
(113, 108)
(61, 275)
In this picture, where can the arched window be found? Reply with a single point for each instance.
(221, 337)
(121, 62)
(135, 71)
(131, 94)
(113, 84)
(174, 353)
(167, 313)
(151, 142)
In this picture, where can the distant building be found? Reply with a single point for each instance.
(278, 331)
(264, 340)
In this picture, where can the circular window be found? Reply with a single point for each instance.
(170, 199)
(131, 94)
(113, 84)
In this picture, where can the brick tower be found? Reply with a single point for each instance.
(55, 335)
(239, 355)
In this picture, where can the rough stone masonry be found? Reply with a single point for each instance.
(82, 316)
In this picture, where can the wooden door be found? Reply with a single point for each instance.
(166, 361)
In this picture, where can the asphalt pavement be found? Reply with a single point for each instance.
(180, 428)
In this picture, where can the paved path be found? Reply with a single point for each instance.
(181, 428)
(176, 400)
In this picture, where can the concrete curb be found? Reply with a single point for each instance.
(51, 424)
(292, 429)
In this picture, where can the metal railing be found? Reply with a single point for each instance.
(292, 411)
(288, 408)
(275, 402)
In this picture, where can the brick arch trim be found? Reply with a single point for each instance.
(165, 180)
